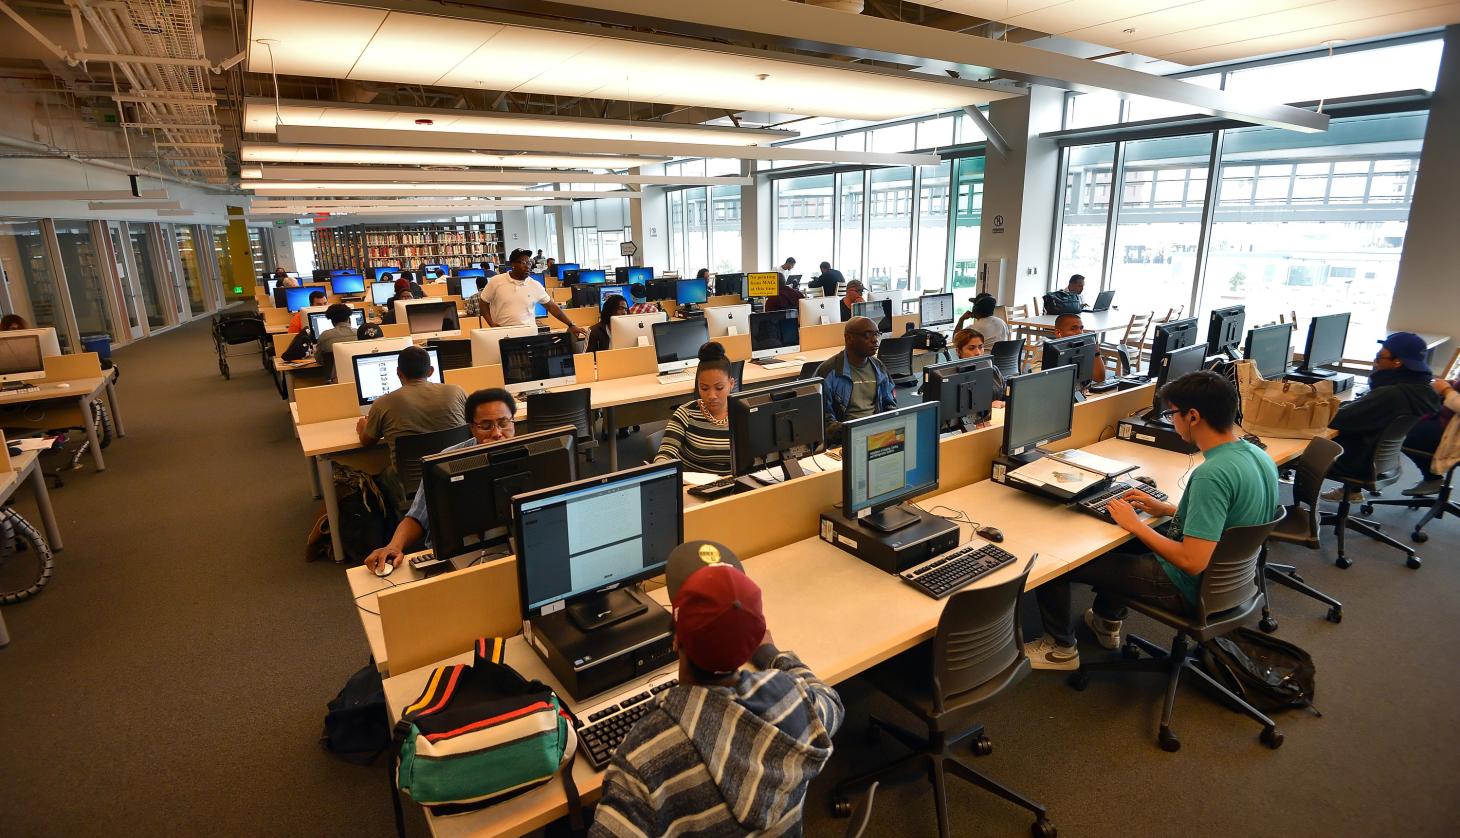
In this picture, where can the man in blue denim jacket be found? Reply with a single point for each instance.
(854, 383)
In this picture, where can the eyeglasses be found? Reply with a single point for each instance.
(499, 424)
(1167, 413)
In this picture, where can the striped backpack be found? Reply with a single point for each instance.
(482, 733)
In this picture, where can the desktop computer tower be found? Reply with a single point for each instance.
(1137, 429)
(1342, 382)
(588, 663)
(894, 551)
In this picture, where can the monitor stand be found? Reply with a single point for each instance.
(890, 518)
(602, 610)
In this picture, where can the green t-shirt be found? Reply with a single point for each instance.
(1236, 486)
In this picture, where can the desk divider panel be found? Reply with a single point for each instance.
(281, 343)
(670, 308)
(584, 369)
(472, 379)
(737, 347)
(561, 295)
(435, 289)
(395, 330)
(276, 316)
(722, 300)
(71, 367)
(621, 363)
(585, 316)
(326, 402)
(426, 621)
(822, 337)
(900, 322)
(5, 466)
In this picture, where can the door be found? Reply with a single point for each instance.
(128, 279)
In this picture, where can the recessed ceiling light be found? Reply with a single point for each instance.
(283, 153)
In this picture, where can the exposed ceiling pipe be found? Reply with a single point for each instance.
(100, 163)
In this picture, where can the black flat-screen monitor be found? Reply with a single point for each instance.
(1083, 351)
(347, 284)
(592, 277)
(775, 425)
(1177, 363)
(659, 289)
(473, 272)
(566, 266)
(1172, 335)
(1327, 335)
(1270, 348)
(1224, 330)
(730, 284)
(1039, 408)
(691, 292)
(887, 459)
(297, 298)
(963, 389)
(377, 273)
(878, 311)
(640, 274)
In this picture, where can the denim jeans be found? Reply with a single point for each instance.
(1130, 571)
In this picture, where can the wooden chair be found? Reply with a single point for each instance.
(1036, 309)
(1132, 344)
(1451, 371)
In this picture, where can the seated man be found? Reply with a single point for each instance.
(828, 280)
(297, 322)
(669, 776)
(1398, 386)
(854, 382)
(1067, 300)
(418, 407)
(489, 415)
(1434, 443)
(341, 332)
(1235, 486)
(787, 296)
(1067, 325)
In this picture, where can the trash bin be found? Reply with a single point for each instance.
(100, 344)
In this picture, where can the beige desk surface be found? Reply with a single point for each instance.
(1095, 321)
(79, 387)
(826, 624)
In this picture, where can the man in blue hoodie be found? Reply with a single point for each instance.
(729, 751)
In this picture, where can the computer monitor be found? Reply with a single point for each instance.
(485, 348)
(345, 351)
(1224, 330)
(21, 359)
(537, 362)
(1039, 408)
(377, 273)
(269, 285)
(659, 289)
(640, 274)
(321, 274)
(775, 425)
(347, 284)
(626, 330)
(592, 277)
(297, 298)
(439, 269)
(878, 311)
(566, 266)
(580, 545)
(375, 374)
(1270, 348)
(472, 272)
(433, 318)
(963, 389)
(1170, 336)
(726, 284)
(603, 292)
(381, 292)
(774, 333)
(724, 321)
(819, 311)
(469, 492)
(1081, 350)
(935, 310)
(50, 343)
(1177, 363)
(677, 343)
(1327, 335)
(691, 292)
(887, 459)
(319, 321)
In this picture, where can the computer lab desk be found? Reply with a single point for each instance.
(25, 467)
(1098, 322)
(80, 392)
(818, 602)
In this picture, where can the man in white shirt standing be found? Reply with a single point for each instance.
(510, 299)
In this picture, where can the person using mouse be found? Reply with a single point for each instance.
(489, 414)
(1235, 486)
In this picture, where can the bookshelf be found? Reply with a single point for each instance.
(366, 246)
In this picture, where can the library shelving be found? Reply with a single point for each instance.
(365, 246)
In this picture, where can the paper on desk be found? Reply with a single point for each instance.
(1093, 462)
(34, 443)
(699, 478)
(1047, 471)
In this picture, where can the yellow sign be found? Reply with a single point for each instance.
(764, 284)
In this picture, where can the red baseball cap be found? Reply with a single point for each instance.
(717, 608)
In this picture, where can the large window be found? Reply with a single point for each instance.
(967, 222)
(32, 278)
(932, 259)
(725, 229)
(850, 197)
(1086, 210)
(1161, 197)
(803, 219)
(192, 271)
(81, 261)
(889, 212)
(696, 228)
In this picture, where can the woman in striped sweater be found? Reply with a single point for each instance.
(698, 433)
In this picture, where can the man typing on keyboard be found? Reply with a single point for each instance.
(1235, 486)
(729, 751)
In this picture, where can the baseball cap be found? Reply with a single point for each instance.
(718, 619)
(1409, 348)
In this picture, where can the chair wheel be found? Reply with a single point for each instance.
(1419, 536)
(1335, 615)
(1169, 743)
(1268, 625)
(1344, 562)
(1413, 562)
(1079, 680)
(1271, 738)
(1366, 508)
(1130, 651)
(841, 808)
(1043, 828)
(982, 746)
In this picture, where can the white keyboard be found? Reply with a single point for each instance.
(675, 379)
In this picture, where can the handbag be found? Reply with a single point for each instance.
(1286, 409)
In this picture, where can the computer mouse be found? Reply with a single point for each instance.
(64, 386)
(385, 569)
(1146, 480)
(993, 534)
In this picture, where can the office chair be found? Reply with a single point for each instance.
(410, 448)
(1301, 526)
(451, 353)
(896, 354)
(977, 653)
(1384, 470)
(808, 370)
(861, 813)
(737, 372)
(1229, 594)
(1439, 505)
(567, 407)
(1008, 357)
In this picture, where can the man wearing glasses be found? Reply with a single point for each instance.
(489, 415)
(854, 384)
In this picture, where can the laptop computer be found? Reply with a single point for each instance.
(1102, 302)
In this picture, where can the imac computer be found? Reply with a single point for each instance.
(640, 275)
(691, 292)
(345, 352)
(347, 284)
(377, 273)
(297, 298)
(1327, 335)
(775, 425)
(50, 343)
(1083, 351)
(469, 492)
(1270, 349)
(774, 333)
(819, 311)
(626, 330)
(319, 322)
(677, 344)
(963, 390)
(485, 347)
(1170, 336)
(728, 284)
(935, 310)
(1224, 331)
(381, 292)
(20, 361)
(592, 277)
(375, 374)
(1176, 364)
(432, 319)
(887, 459)
(537, 362)
(580, 545)
(1039, 408)
(727, 321)
(878, 311)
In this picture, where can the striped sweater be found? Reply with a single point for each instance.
(693, 439)
(723, 761)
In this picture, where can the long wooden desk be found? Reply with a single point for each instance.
(81, 392)
(1095, 321)
(26, 467)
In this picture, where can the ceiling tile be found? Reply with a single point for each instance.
(1409, 21)
(313, 39)
(418, 49)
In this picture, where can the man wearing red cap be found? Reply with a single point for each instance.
(728, 751)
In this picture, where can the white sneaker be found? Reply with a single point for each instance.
(1336, 495)
(1107, 632)
(1044, 653)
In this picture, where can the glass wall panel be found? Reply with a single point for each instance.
(803, 218)
(149, 277)
(935, 133)
(1159, 224)
(932, 263)
(889, 210)
(697, 229)
(1139, 108)
(129, 301)
(1084, 110)
(967, 222)
(222, 258)
(725, 229)
(1401, 67)
(27, 263)
(850, 198)
(1085, 211)
(81, 260)
(192, 271)
(675, 204)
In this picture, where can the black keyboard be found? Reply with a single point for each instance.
(1096, 503)
(949, 572)
(606, 728)
(714, 489)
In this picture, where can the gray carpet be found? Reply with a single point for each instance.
(172, 679)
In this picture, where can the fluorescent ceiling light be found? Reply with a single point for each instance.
(271, 153)
(259, 117)
(365, 186)
(251, 172)
(445, 190)
(352, 173)
(133, 205)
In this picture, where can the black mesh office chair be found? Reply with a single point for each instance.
(1008, 357)
(1229, 594)
(567, 407)
(451, 353)
(808, 370)
(1384, 470)
(896, 354)
(1438, 505)
(410, 448)
(737, 373)
(977, 652)
(1301, 526)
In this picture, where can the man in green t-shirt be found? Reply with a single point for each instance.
(1235, 486)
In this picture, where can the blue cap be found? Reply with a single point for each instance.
(1408, 348)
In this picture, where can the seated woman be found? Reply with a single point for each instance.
(968, 343)
(599, 335)
(698, 433)
(12, 322)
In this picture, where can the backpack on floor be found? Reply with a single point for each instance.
(357, 724)
(1268, 673)
(367, 518)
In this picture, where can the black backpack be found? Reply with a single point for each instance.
(367, 518)
(357, 727)
(1268, 673)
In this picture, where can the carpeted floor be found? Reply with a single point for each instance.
(172, 678)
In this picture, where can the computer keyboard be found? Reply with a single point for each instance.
(1095, 504)
(771, 363)
(606, 728)
(714, 489)
(942, 575)
(675, 378)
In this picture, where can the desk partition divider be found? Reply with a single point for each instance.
(622, 363)
(472, 379)
(435, 289)
(327, 402)
(584, 368)
(737, 348)
(722, 300)
(72, 367)
(435, 618)
(822, 337)
(395, 330)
